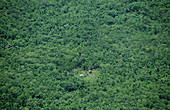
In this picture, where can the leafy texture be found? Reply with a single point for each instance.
(47, 48)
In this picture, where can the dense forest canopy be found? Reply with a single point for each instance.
(47, 48)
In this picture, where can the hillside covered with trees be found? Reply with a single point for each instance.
(47, 48)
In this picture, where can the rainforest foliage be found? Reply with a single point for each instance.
(48, 46)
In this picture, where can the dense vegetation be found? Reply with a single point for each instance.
(46, 44)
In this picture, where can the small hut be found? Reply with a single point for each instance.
(90, 71)
(81, 75)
